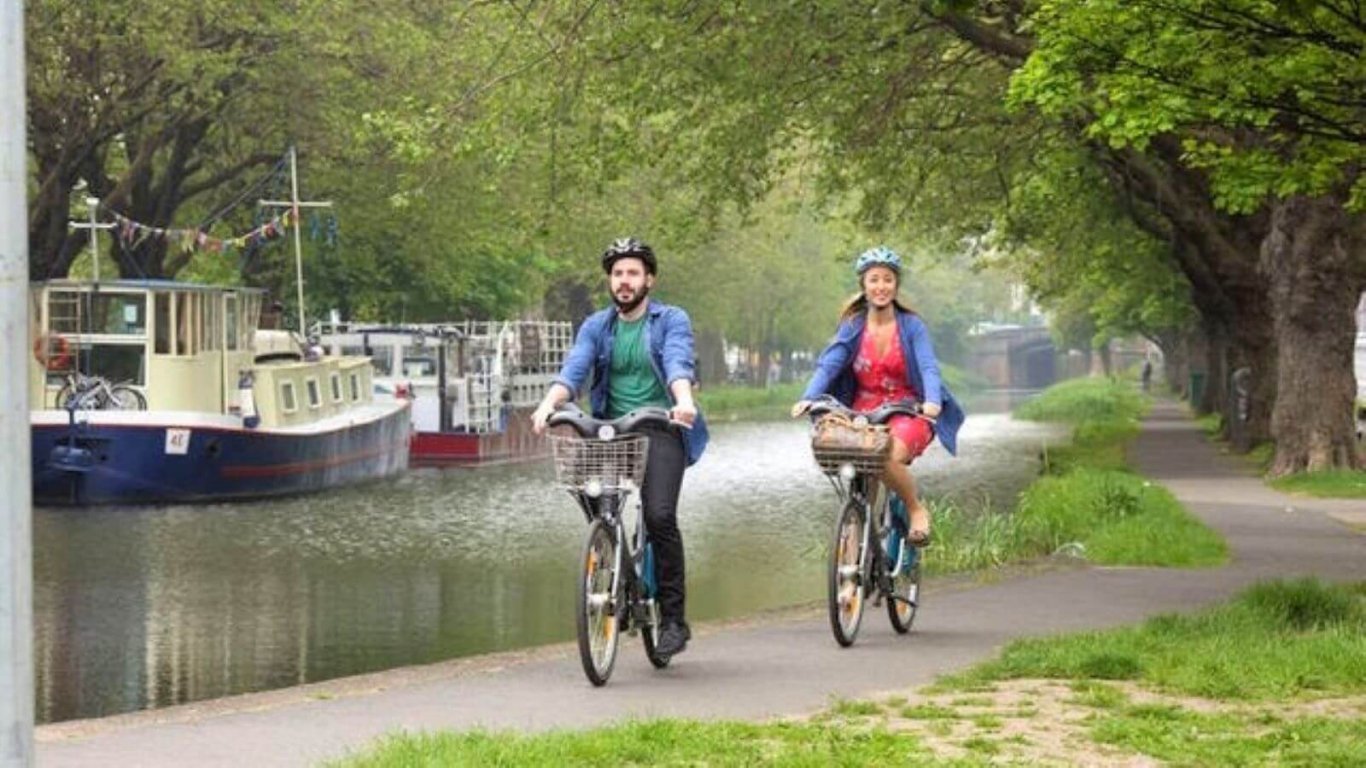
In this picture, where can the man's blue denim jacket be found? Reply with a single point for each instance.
(671, 356)
(835, 371)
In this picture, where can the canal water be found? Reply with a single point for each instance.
(137, 608)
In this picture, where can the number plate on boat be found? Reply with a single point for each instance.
(177, 442)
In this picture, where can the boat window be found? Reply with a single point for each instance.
(230, 322)
(120, 363)
(162, 314)
(355, 387)
(336, 388)
(315, 399)
(119, 314)
(414, 367)
(288, 402)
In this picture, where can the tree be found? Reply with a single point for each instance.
(1263, 101)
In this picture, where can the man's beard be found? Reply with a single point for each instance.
(629, 306)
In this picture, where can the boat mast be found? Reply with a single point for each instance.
(92, 205)
(293, 204)
(16, 480)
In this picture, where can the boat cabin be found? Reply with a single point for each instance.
(186, 347)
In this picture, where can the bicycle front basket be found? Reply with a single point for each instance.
(614, 464)
(837, 440)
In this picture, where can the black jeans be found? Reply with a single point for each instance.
(659, 497)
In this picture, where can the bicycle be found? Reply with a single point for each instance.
(95, 393)
(602, 466)
(870, 551)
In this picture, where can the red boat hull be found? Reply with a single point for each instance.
(516, 443)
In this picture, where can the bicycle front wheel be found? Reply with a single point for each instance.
(126, 398)
(599, 603)
(847, 565)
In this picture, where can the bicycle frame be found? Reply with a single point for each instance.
(608, 507)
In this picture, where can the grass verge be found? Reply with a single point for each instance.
(1087, 504)
(1333, 484)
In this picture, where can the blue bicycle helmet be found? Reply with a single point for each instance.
(880, 256)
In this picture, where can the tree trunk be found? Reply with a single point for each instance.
(1314, 259)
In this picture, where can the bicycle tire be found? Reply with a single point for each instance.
(63, 395)
(848, 565)
(599, 631)
(649, 635)
(904, 601)
(126, 398)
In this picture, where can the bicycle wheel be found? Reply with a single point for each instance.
(847, 566)
(650, 635)
(126, 398)
(905, 598)
(63, 395)
(599, 591)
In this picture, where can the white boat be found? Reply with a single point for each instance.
(231, 412)
(473, 384)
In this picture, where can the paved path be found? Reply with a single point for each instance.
(787, 663)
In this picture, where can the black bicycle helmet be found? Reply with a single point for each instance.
(629, 246)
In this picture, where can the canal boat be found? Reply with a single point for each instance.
(473, 384)
(231, 411)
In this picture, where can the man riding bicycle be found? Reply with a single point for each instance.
(640, 353)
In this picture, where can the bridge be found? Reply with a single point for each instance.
(1014, 357)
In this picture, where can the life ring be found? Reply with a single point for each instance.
(52, 352)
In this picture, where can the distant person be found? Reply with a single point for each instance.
(882, 353)
(640, 353)
(1147, 374)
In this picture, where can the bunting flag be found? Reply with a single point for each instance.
(134, 233)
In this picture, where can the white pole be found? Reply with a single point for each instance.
(92, 205)
(298, 242)
(16, 491)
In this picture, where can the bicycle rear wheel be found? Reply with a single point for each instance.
(904, 601)
(847, 565)
(126, 398)
(649, 633)
(599, 603)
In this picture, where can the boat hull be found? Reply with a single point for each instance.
(516, 442)
(111, 457)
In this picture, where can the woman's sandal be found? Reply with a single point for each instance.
(918, 538)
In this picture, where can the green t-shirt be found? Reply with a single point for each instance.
(632, 383)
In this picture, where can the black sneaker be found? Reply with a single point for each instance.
(673, 638)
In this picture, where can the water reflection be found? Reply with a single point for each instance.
(145, 607)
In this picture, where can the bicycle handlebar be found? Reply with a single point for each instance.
(587, 426)
(880, 415)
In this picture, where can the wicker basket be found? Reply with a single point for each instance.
(613, 464)
(863, 460)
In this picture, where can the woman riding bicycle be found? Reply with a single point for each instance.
(882, 353)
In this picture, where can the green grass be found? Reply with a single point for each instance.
(1183, 737)
(731, 402)
(1277, 641)
(1090, 399)
(1338, 484)
(657, 742)
(1088, 503)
